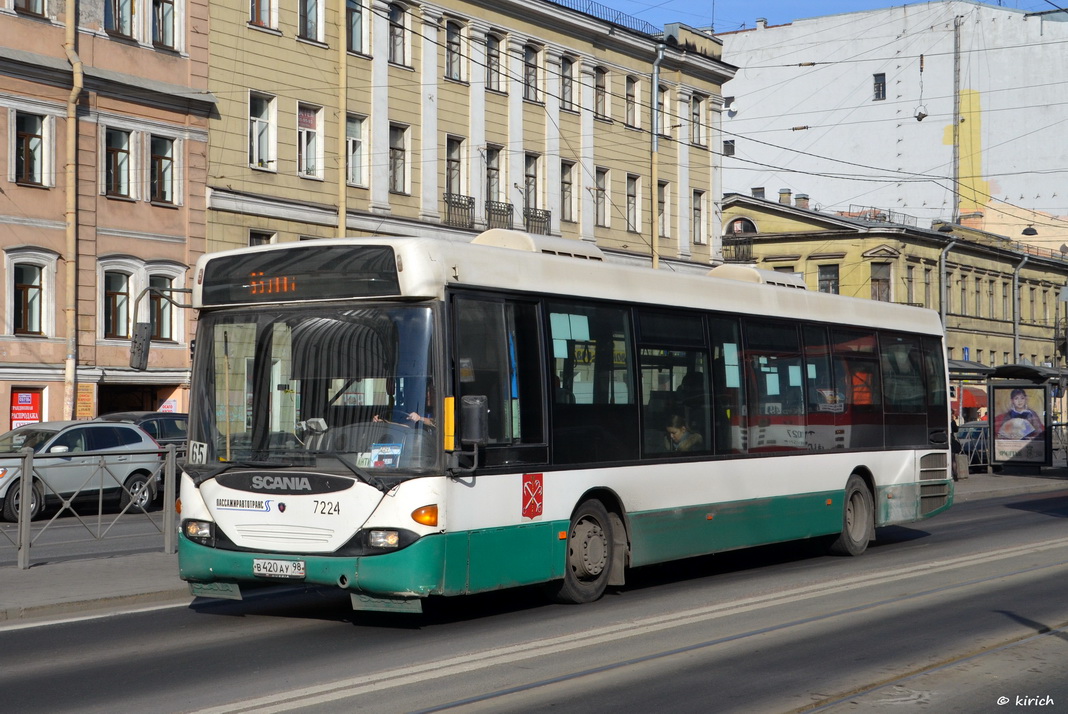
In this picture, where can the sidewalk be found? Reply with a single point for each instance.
(102, 585)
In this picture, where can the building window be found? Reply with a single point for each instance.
(117, 160)
(828, 279)
(910, 284)
(632, 101)
(697, 123)
(309, 141)
(454, 166)
(309, 20)
(118, 17)
(162, 310)
(116, 305)
(700, 230)
(260, 238)
(27, 300)
(30, 7)
(632, 202)
(354, 25)
(600, 92)
(1006, 306)
(453, 51)
(261, 130)
(493, 63)
(728, 150)
(398, 36)
(31, 143)
(663, 214)
(531, 57)
(879, 82)
(567, 191)
(880, 281)
(493, 173)
(398, 158)
(567, 83)
(530, 181)
(928, 286)
(600, 197)
(262, 13)
(161, 174)
(163, 23)
(354, 142)
(661, 118)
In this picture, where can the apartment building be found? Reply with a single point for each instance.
(398, 118)
(104, 112)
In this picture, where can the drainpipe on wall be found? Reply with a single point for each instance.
(654, 189)
(70, 363)
(943, 280)
(1016, 310)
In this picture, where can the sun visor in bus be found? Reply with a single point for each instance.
(745, 274)
(549, 245)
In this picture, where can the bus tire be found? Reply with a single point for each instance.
(858, 519)
(590, 555)
(11, 501)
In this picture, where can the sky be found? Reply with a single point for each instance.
(726, 15)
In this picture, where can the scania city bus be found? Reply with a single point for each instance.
(412, 417)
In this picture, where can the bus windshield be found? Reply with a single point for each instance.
(330, 388)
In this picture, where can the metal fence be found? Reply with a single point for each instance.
(99, 525)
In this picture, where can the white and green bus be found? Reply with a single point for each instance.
(411, 417)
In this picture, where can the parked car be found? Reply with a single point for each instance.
(67, 463)
(165, 427)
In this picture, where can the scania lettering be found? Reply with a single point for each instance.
(414, 417)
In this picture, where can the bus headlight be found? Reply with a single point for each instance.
(202, 532)
(383, 539)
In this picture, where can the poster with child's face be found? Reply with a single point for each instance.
(1018, 429)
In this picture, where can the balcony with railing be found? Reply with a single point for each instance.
(459, 210)
(738, 249)
(536, 220)
(498, 214)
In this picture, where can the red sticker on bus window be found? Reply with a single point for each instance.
(533, 493)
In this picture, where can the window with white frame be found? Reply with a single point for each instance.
(161, 177)
(398, 158)
(661, 115)
(697, 119)
(30, 7)
(494, 68)
(398, 34)
(663, 214)
(567, 83)
(699, 231)
(493, 173)
(262, 119)
(567, 191)
(530, 181)
(161, 310)
(355, 24)
(454, 163)
(260, 238)
(633, 115)
(164, 23)
(531, 71)
(116, 305)
(355, 142)
(600, 92)
(119, 17)
(32, 162)
(633, 185)
(454, 56)
(310, 20)
(31, 278)
(263, 13)
(728, 147)
(309, 141)
(600, 196)
(118, 160)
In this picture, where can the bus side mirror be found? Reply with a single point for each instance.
(140, 344)
(474, 420)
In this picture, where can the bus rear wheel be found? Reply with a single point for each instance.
(590, 555)
(858, 519)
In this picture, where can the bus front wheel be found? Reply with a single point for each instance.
(857, 519)
(590, 555)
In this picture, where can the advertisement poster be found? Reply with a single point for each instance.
(1019, 426)
(25, 407)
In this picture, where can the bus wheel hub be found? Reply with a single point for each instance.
(592, 550)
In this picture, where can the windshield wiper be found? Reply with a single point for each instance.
(200, 477)
(361, 473)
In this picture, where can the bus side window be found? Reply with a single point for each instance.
(857, 371)
(775, 390)
(728, 388)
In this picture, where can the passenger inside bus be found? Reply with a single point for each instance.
(680, 437)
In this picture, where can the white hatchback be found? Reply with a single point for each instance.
(67, 463)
